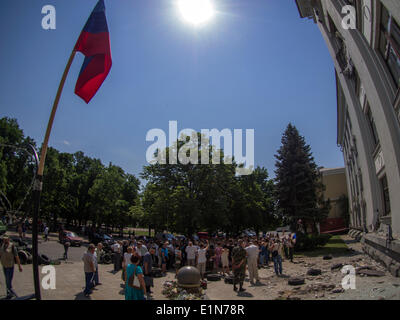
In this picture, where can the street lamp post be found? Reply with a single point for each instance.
(37, 188)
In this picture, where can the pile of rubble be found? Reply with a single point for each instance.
(173, 292)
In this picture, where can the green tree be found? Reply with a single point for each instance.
(111, 196)
(297, 181)
(186, 198)
(55, 198)
(16, 167)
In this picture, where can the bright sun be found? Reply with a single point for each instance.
(196, 11)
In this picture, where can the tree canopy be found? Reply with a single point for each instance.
(182, 197)
(76, 188)
(185, 198)
(298, 185)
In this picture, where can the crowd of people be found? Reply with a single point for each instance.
(139, 258)
(224, 256)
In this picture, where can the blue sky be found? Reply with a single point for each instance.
(256, 65)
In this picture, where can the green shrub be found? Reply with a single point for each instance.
(310, 242)
(322, 239)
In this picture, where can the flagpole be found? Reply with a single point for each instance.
(37, 189)
(53, 113)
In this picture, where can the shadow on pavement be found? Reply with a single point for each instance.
(245, 295)
(81, 296)
(258, 284)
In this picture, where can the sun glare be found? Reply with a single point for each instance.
(196, 11)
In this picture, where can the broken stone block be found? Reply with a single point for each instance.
(336, 266)
(394, 269)
(370, 272)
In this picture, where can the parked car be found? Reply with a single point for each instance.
(3, 228)
(203, 235)
(181, 237)
(248, 233)
(71, 237)
(103, 238)
(165, 237)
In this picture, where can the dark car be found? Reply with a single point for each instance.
(101, 237)
(71, 237)
(165, 237)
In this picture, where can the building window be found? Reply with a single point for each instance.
(372, 127)
(389, 44)
(386, 199)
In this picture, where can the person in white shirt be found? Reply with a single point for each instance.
(89, 266)
(126, 261)
(141, 248)
(97, 256)
(127, 257)
(225, 260)
(46, 233)
(252, 258)
(116, 248)
(191, 252)
(202, 259)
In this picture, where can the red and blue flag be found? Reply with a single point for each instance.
(94, 43)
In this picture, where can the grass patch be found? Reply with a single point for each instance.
(138, 232)
(335, 247)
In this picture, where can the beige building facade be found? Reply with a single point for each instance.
(363, 38)
(334, 180)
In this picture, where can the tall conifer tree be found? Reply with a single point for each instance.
(298, 186)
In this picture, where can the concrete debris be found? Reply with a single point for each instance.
(369, 271)
(336, 266)
(337, 290)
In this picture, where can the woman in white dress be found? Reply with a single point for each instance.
(225, 260)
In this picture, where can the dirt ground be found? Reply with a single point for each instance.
(327, 286)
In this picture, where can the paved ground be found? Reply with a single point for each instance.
(70, 280)
(53, 249)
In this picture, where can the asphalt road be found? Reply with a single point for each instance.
(55, 250)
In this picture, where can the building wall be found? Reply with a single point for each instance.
(368, 94)
(335, 184)
(365, 163)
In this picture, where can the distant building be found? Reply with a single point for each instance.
(335, 184)
(367, 70)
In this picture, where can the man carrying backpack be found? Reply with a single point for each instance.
(8, 258)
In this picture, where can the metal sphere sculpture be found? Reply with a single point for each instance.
(188, 277)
